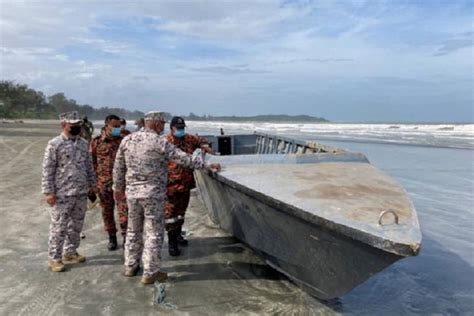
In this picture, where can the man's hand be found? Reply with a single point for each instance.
(119, 195)
(215, 166)
(51, 199)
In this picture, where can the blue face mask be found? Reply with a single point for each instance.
(115, 131)
(179, 133)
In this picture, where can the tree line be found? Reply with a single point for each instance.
(20, 101)
(278, 118)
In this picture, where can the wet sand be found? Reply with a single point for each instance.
(215, 275)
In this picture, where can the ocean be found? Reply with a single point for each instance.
(435, 164)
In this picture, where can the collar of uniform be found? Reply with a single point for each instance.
(65, 137)
(103, 133)
(177, 139)
(146, 129)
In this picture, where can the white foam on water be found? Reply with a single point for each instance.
(443, 135)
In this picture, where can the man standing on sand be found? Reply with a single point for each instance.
(103, 150)
(141, 166)
(68, 177)
(180, 183)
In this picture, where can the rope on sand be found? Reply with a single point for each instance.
(159, 296)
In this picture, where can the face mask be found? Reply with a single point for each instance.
(179, 133)
(75, 130)
(115, 131)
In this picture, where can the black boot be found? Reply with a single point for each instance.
(181, 240)
(112, 245)
(173, 248)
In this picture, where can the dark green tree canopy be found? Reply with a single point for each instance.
(20, 101)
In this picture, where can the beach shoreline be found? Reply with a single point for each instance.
(215, 275)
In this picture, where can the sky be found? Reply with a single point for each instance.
(363, 61)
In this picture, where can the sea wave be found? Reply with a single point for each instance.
(436, 135)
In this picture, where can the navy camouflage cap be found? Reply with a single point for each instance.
(70, 117)
(155, 116)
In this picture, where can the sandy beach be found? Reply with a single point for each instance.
(215, 275)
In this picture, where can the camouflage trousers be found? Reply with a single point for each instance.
(145, 234)
(67, 219)
(107, 202)
(175, 209)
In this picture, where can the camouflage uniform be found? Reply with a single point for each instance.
(125, 132)
(180, 181)
(69, 174)
(103, 149)
(141, 164)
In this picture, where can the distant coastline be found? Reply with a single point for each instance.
(271, 118)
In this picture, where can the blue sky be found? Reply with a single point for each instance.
(343, 60)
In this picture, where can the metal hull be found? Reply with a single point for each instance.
(325, 263)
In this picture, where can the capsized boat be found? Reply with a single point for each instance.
(323, 216)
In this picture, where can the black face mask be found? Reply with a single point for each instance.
(75, 130)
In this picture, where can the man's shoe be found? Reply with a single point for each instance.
(131, 272)
(173, 248)
(112, 245)
(181, 240)
(76, 258)
(158, 276)
(56, 265)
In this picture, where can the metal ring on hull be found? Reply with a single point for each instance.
(382, 214)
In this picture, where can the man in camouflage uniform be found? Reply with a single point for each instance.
(141, 167)
(103, 149)
(68, 176)
(180, 183)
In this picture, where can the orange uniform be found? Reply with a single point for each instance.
(180, 181)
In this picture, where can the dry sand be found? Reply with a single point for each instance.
(215, 275)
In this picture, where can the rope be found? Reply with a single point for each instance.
(159, 296)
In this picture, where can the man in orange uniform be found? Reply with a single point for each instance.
(104, 149)
(180, 183)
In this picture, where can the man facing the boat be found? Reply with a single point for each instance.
(180, 183)
(141, 168)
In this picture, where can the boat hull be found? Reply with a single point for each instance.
(325, 263)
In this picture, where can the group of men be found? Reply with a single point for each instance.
(145, 176)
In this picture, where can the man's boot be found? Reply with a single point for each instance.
(156, 277)
(173, 248)
(131, 272)
(181, 240)
(112, 245)
(56, 265)
(74, 258)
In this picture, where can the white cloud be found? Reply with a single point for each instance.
(272, 54)
(85, 75)
(61, 57)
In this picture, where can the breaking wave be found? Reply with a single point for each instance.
(435, 135)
